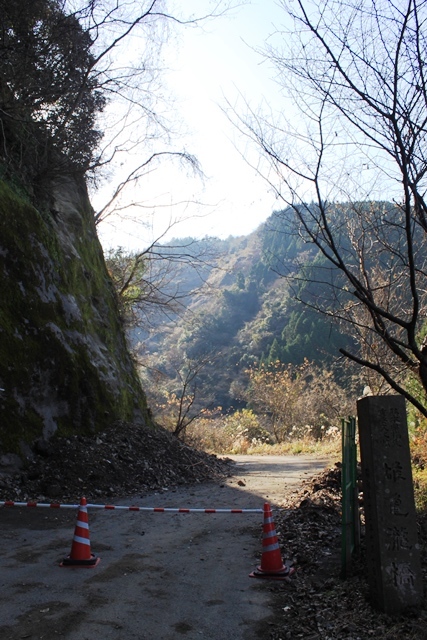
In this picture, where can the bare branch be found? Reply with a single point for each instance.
(355, 73)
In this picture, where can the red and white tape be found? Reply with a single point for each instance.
(111, 507)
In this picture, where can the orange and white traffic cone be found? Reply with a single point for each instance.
(271, 560)
(81, 555)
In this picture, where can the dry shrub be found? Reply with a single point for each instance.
(418, 445)
(207, 433)
(243, 432)
(294, 396)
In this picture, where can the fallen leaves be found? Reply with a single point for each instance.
(317, 604)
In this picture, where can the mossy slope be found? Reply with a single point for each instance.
(64, 365)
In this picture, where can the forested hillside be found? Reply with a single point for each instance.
(240, 312)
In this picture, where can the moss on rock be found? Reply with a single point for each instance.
(64, 362)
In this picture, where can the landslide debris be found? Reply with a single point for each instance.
(120, 461)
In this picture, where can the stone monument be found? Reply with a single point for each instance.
(392, 549)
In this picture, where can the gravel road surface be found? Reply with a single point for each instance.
(162, 576)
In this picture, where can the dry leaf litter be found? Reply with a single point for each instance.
(316, 603)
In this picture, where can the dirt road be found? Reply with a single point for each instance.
(162, 576)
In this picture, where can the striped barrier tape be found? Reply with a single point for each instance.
(111, 507)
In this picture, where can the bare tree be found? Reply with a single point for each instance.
(355, 73)
(126, 46)
(75, 72)
(176, 394)
(140, 128)
(117, 205)
(296, 398)
(150, 281)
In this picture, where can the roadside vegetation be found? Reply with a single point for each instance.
(289, 410)
(418, 444)
(278, 405)
(241, 433)
(245, 432)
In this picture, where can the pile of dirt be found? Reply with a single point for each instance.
(124, 460)
(316, 603)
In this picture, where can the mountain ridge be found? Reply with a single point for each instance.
(244, 315)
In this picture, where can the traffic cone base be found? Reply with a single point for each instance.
(80, 555)
(91, 563)
(271, 566)
(280, 574)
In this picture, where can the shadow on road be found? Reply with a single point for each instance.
(162, 575)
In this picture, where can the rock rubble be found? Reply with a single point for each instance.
(120, 461)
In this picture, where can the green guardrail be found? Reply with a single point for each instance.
(350, 532)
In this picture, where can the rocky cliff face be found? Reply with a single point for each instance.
(64, 365)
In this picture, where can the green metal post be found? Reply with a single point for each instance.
(350, 532)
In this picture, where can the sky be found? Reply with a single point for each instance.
(207, 66)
